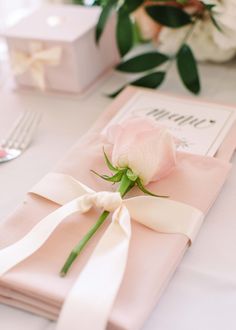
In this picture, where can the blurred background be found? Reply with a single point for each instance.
(10, 12)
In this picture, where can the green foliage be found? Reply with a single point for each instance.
(187, 68)
(170, 16)
(151, 80)
(124, 32)
(131, 5)
(210, 8)
(215, 23)
(105, 14)
(142, 62)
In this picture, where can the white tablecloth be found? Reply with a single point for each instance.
(202, 293)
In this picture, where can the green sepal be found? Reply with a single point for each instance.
(114, 178)
(143, 189)
(132, 177)
(108, 163)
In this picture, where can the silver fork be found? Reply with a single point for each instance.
(20, 136)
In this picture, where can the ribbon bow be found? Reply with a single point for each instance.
(90, 300)
(35, 61)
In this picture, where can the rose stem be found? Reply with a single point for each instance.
(124, 187)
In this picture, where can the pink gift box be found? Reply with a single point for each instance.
(71, 29)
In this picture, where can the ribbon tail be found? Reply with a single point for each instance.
(20, 63)
(37, 72)
(67, 188)
(51, 56)
(91, 298)
(31, 242)
(166, 215)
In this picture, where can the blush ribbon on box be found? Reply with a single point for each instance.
(35, 61)
(86, 306)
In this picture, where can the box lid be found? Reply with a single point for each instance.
(55, 22)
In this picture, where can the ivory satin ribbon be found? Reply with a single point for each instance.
(35, 61)
(91, 298)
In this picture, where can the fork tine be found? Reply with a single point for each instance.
(28, 134)
(22, 130)
(7, 142)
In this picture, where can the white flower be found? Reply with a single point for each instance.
(206, 41)
(226, 16)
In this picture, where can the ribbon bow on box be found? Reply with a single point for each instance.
(35, 61)
(86, 306)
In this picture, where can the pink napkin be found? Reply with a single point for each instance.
(34, 284)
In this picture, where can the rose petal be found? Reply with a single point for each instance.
(145, 147)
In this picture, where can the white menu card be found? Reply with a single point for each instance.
(199, 126)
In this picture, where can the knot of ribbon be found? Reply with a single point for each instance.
(89, 302)
(35, 61)
(109, 201)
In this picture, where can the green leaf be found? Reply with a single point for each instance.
(131, 175)
(208, 6)
(124, 33)
(105, 13)
(137, 38)
(142, 62)
(109, 164)
(100, 175)
(115, 178)
(215, 23)
(170, 16)
(131, 5)
(143, 189)
(117, 92)
(182, 2)
(151, 80)
(187, 67)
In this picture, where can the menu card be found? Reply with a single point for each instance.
(200, 127)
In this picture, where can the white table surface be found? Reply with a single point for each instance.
(202, 293)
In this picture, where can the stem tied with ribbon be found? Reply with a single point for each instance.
(127, 180)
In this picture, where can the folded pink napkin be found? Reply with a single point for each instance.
(34, 284)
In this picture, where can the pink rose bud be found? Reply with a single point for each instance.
(144, 146)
